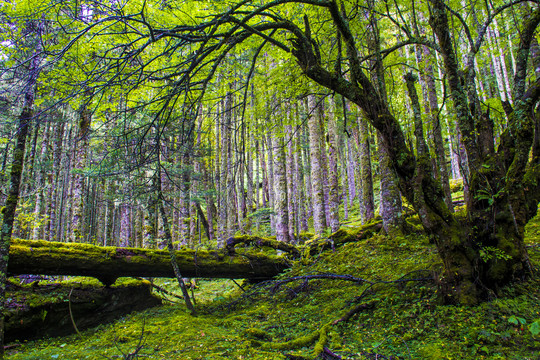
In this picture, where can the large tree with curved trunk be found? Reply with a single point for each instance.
(136, 46)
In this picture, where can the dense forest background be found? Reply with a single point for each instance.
(279, 118)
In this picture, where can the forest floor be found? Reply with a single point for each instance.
(297, 319)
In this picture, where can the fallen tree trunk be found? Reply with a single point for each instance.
(341, 237)
(261, 242)
(336, 239)
(42, 311)
(109, 263)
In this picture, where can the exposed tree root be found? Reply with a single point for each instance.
(277, 284)
(355, 310)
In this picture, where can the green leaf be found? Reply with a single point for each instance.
(535, 327)
(513, 320)
(516, 320)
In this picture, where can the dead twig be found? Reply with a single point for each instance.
(71, 315)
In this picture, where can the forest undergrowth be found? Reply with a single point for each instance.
(394, 314)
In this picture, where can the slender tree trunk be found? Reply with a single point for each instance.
(241, 190)
(319, 218)
(324, 162)
(77, 177)
(351, 165)
(149, 236)
(125, 225)
(390, 199)
(110, 211)
(170, 248)
(306, 165)
(367, 198)
(225, 173)
(265, 186)
(271, 181)
(41, 187)
(292, 187)
(250, 195)
(17, 165)
(428, 84)
(281, 207)
(63, 213)
(333, 182)
(54, 181)
(299, 181)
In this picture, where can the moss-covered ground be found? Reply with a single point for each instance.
(399, 320)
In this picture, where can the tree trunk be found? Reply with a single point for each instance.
(428, 83)
(77, 177)
(271, 181)
(170, 249)
(333, 175)
(41, 187)
(281, 209)
(367, 198)
(17, 164)
(54, 181)
(292, 187)
(299, 181)
(125, 225)
(319, 218)
(109, 263)
(209, 199)
(224, 173)
(390, 199)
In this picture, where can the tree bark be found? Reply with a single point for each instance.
(281, 208)
(77, 176)
(319, 218)
(367, 198)
(17, 165)
(428, 83)
(172, 254)
(54, 181)
(333, 175)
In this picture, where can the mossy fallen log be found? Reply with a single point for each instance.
(311, 247)
(109, 263)
(37, 311)
(341, 237)
(261, 242)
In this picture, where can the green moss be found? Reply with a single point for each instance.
(302, 341)
(323, 340)
(456, 185)
(258, 334)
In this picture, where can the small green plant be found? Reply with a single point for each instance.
(488, 253)
(516, 320)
